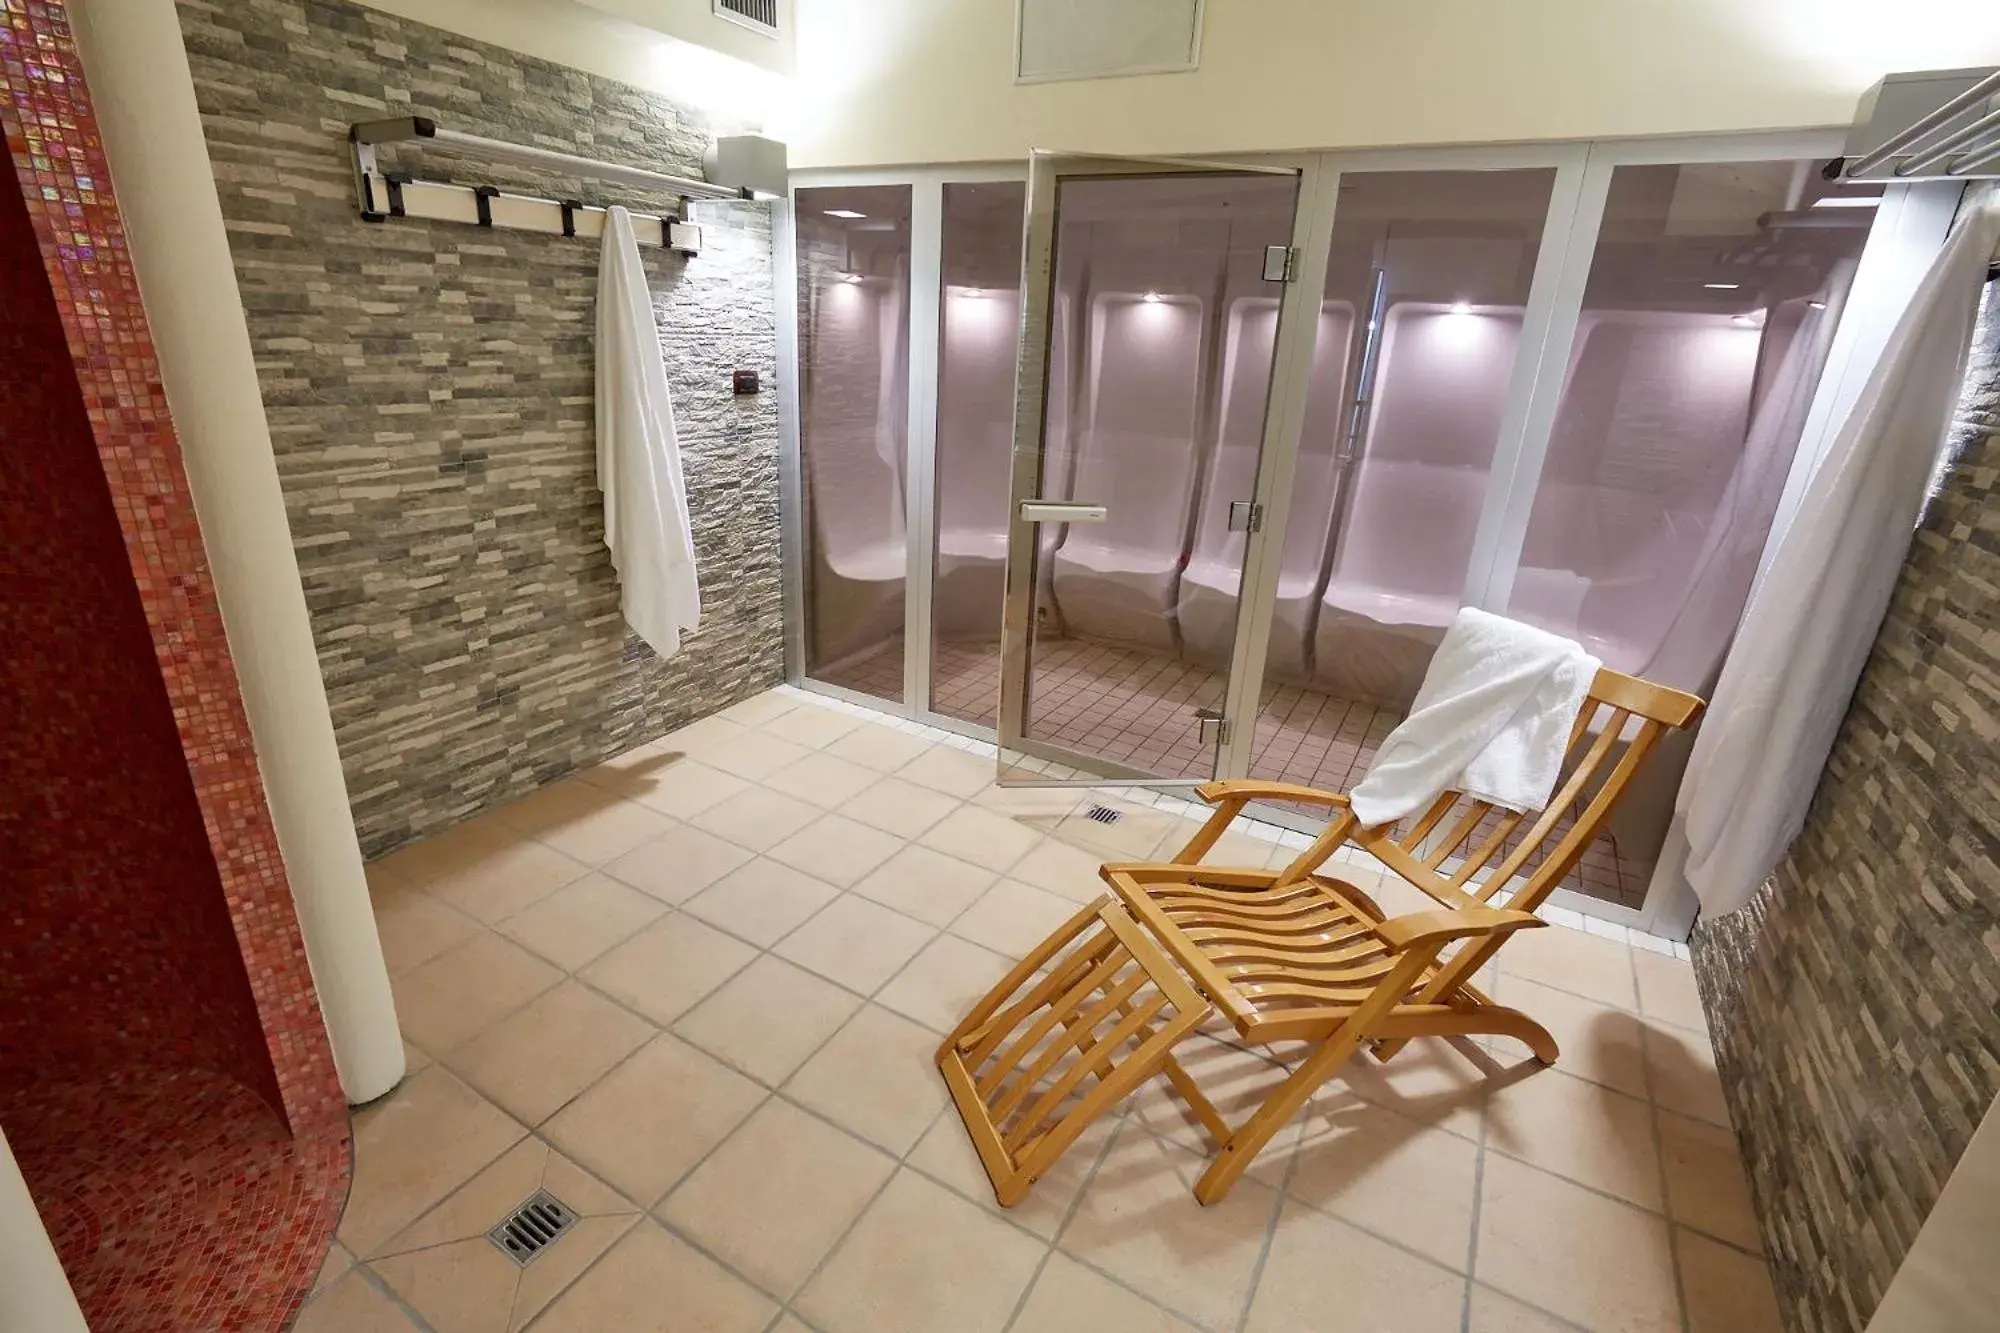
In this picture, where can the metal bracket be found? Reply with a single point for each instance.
(396, 180)
(1281, 263)
(569, 207)
(1246, 516)
(1205, 718)
(482, 199)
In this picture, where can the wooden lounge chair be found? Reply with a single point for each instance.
(1285, 955)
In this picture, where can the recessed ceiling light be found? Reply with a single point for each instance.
(1151, 298)
(1747, 321)
(844, 213)
(1722, 286)
(1817, 305)
(1847, 201)
(850, 277)
(1461, 307)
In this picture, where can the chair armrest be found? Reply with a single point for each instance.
(1439, 928)
(1249, 789)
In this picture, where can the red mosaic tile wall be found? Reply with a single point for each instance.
(165, 1078)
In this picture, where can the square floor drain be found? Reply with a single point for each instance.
(1103, 814)
(532, 1228)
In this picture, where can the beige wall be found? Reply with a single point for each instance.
(908, 81)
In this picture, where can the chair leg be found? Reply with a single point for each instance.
(1487, 1019)
(1285, 1101)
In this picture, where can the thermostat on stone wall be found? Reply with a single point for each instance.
(744, 381)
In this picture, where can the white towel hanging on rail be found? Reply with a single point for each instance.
(638, 457)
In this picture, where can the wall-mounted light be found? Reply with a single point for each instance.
(844, 213)
(1151, 298)
(1747, 321)
(1722, 286)
(1847, 201)
(1461, 307)
(1816, 305)
(973, 293)
(850, 277)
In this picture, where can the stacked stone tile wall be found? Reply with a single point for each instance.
(429, 389)
(1855, 1004)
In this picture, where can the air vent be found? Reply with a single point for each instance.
(757, 15)
(1103, 814)
(532, 1227)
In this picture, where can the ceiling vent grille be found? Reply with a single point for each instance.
(757, 15)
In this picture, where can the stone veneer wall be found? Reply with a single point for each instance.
(1854, 1003)
(429, 389)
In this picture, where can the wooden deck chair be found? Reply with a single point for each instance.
(1285, 955)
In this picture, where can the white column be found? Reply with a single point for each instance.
(34, 1292)
(143, 92)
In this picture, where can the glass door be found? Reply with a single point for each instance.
(1152, 316)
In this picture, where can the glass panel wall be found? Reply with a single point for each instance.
(1426, 288)
(854, 393)
(1710, 309)
(980, 314)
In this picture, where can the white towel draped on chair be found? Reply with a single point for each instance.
(638, 457)
(1492, 720)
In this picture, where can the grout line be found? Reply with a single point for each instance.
(1660, 1158)
(1478, 1206)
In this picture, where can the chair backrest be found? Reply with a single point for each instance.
(1465, 846)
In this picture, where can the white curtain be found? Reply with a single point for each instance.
(638, 457)
(1807, 632)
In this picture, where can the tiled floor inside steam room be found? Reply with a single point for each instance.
(694, 994)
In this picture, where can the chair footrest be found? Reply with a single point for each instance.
(1087, 1017)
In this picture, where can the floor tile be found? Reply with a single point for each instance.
(447, 1269)
(1069, 1298)
(581, 920)
(1011, 918)
(767, 1019)
(1580, 1130)
(1558, 1246)
(531, 1063)
(678, 864)
(1137, 834)
(1061, 868)
(876, 1077)
(1393, 1177)
(667, 968)
(413, 1147)
(1667, 990)
(507, 876)
(951, 771)
(1680, 1067)
(895, 806)
(584, 822)
(1038, 808)
(857, 943)
(757, 818)
(773, 1199)
(703, 735)
(1237, 1081)
(1597, 1042)
(1445, 1084)
(761, 708)
(761, 901)
(811, 726)
(920, 1260)
(415, 927)
(927, 885)
(645, 1124)
(1727, 1290)
(1138, 1220)
(652, 1282)
(941, 984)
(1327, 1276)
(1706, 1188)
(678, 786)
(881, 748)
(331, 1269)
(463, 991)
(981, 837)
(1493, 1313)
(451, 851)
(1572, 961)
(754, 755)
(946, 1154)
(836, 849)
(352, 1305)
(825, 780)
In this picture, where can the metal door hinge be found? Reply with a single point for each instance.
(1246, 516)
(1211, 717)
(1281, 263)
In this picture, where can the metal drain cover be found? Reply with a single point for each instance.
(1103, 814)
(532, 1228)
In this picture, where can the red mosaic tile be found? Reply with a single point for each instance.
(165, 1078)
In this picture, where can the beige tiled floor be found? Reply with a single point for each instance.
(695, 995)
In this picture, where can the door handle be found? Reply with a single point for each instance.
(1062, 511)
